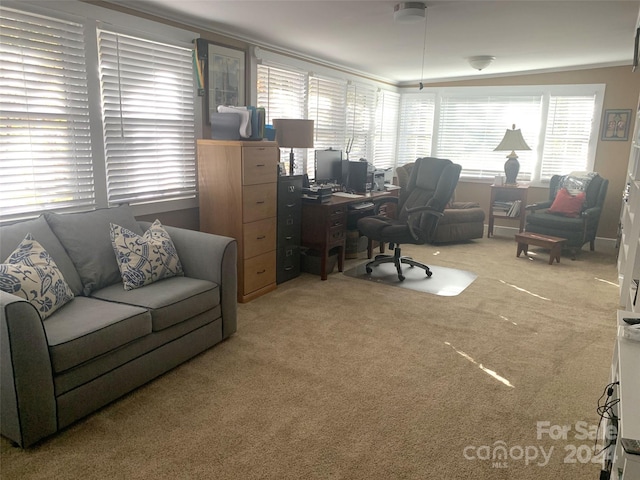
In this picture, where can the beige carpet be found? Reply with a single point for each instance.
(346, 379)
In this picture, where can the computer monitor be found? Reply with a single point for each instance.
(328, 167)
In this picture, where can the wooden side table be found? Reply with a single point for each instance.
(505, 195)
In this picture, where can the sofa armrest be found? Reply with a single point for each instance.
(211, 257)
(538, 206)
(26, 377)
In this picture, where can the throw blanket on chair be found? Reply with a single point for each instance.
(576, 182)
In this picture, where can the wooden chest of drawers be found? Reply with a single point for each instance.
(238, 198)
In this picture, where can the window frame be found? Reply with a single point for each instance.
(544, 91)
(92, 17)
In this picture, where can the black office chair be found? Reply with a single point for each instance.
(431, 185)
(578, 229)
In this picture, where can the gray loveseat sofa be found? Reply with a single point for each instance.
(106, 341)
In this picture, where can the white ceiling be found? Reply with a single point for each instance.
(523, 35)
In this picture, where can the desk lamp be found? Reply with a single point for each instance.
(293, 133)
(512, 141)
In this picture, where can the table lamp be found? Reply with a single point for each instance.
(293, 133)
(512, 141)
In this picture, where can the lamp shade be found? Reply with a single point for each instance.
(512, 141)
(294, 133)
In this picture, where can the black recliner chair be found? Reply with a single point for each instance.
(577, 230)
(431, 185)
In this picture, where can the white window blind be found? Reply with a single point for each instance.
(45, 159)
(416, 127)
(386, 118)
(471, 126)
(566, 140)
(327, 98)
(361, 115)
(148, 114)
(282, 93)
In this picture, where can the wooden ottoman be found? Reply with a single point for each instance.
(554, 244)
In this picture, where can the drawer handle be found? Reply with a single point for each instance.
(260, 165)
(288, 238)
(337, 212)
(337, 224)
(289, 205)
(261, 237)
(259, 202)
(286, 269)
(261, 271)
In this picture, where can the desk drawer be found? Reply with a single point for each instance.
(259, 272)
(336, 234)
(259, 202)
(259, 237)
(259, 165)
(336, 214)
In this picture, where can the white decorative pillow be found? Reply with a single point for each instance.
(30, 272)
(144, 259)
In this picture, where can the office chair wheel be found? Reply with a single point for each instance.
(369, 270)
(401, 277)
(429, 273)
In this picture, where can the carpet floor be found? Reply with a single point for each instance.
(347, 379)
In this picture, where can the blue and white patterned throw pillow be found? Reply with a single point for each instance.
(144, 259)
(30, 272)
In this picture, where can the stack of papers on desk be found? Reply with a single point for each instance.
(347, 195)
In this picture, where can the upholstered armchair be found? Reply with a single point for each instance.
(572, 211)
(461, 220)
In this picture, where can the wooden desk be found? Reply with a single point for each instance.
(324, 225)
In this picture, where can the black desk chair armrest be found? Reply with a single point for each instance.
(419, 210)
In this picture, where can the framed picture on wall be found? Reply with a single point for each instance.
(225, 77)
(615, 125)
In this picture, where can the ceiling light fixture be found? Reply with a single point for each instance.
(409, 12)
(480, 62)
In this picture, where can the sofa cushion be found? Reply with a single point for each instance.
(144, 259)
(86, 238)
(30, 272)
(87, 328)
(171, 300)
(11, 236)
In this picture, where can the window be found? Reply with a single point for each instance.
(148, 118)
(471, 125)
(343, 111)
(415, 134)
(69, 146)
(386, 118)
(327, 108)
(46, 157)
(361, 118)
(466, 124)
(282, 93)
